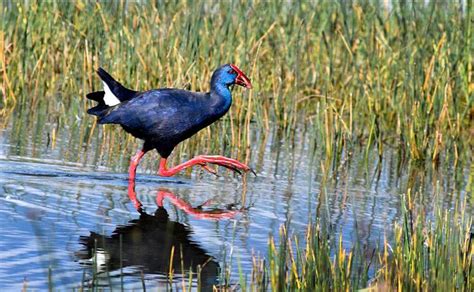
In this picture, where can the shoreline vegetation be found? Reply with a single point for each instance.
(355, 79)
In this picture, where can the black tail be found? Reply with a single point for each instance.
(99, 109)
(118, 94)
(117, 89)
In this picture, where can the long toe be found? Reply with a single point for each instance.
(231, 167)
(239, 166)
(227, 160)
(209, 169)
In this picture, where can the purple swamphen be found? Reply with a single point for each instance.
(165, 117)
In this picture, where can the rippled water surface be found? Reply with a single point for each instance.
(70, 225)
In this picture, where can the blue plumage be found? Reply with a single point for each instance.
(165, 117)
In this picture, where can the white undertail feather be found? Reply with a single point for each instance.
(109, 98)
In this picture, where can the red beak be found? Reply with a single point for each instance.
(241, 78)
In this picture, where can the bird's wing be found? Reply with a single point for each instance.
(161, 113)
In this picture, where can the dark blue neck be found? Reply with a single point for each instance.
(222, 96)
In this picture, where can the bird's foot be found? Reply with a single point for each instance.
(226, 162)
(209, 169)
(204, 161)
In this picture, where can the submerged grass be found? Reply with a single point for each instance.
(362, 74)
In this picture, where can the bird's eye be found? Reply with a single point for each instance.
(231, 71)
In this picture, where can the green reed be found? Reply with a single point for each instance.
(430, 251)
(431, 254)
(361, 73)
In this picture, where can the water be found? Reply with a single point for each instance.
(70, 224)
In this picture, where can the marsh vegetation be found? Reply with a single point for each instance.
(359, 126)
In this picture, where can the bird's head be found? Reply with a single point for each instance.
(230, 74)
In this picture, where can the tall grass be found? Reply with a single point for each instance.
(357, 77)
(360, 74)
(430, 252)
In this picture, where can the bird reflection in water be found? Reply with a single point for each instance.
(153, 245)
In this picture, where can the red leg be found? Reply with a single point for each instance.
(132, 170)
(203, 160)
